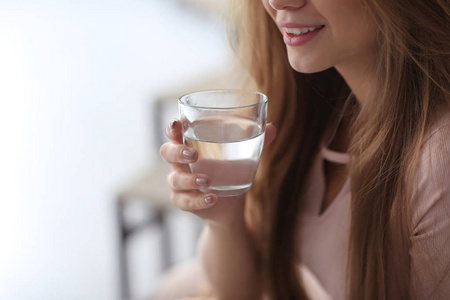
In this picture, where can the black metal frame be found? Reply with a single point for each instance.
(157, 218)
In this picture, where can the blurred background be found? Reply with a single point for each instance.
(83, 87)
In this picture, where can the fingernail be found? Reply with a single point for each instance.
(172, 124)
(189, 154)
(201, 181)
(209, 200)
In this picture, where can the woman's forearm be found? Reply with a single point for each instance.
(230, 261)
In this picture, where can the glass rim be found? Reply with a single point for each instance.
(264, 99)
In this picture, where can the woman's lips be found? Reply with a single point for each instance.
(298, 36)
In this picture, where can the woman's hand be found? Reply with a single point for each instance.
(225, 243)
(185, 185)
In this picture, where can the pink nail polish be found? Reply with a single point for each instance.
(201, 181)
(172, 124)
(209, 200)
(189, 154)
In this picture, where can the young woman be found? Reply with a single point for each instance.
(352, 197)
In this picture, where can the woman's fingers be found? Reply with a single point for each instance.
(173, 131)
(180, 181)
(193, 200)
(185, 185)
(178, 153)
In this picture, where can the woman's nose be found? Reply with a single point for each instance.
(286, 4)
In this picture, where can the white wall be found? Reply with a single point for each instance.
(76, 81)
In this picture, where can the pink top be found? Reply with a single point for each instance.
(325, 236)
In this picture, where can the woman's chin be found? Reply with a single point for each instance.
(307, 66)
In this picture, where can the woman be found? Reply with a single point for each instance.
(352, 198)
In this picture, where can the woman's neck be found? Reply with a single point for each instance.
(358, 73)
(340, 131)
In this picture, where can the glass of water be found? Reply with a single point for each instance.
(227, 128)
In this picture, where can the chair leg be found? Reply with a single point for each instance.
(122, 251)
(166, 253)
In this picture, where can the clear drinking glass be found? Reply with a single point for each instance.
(227, 128)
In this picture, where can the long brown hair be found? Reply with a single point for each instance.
(412, 83)
(412, 80)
